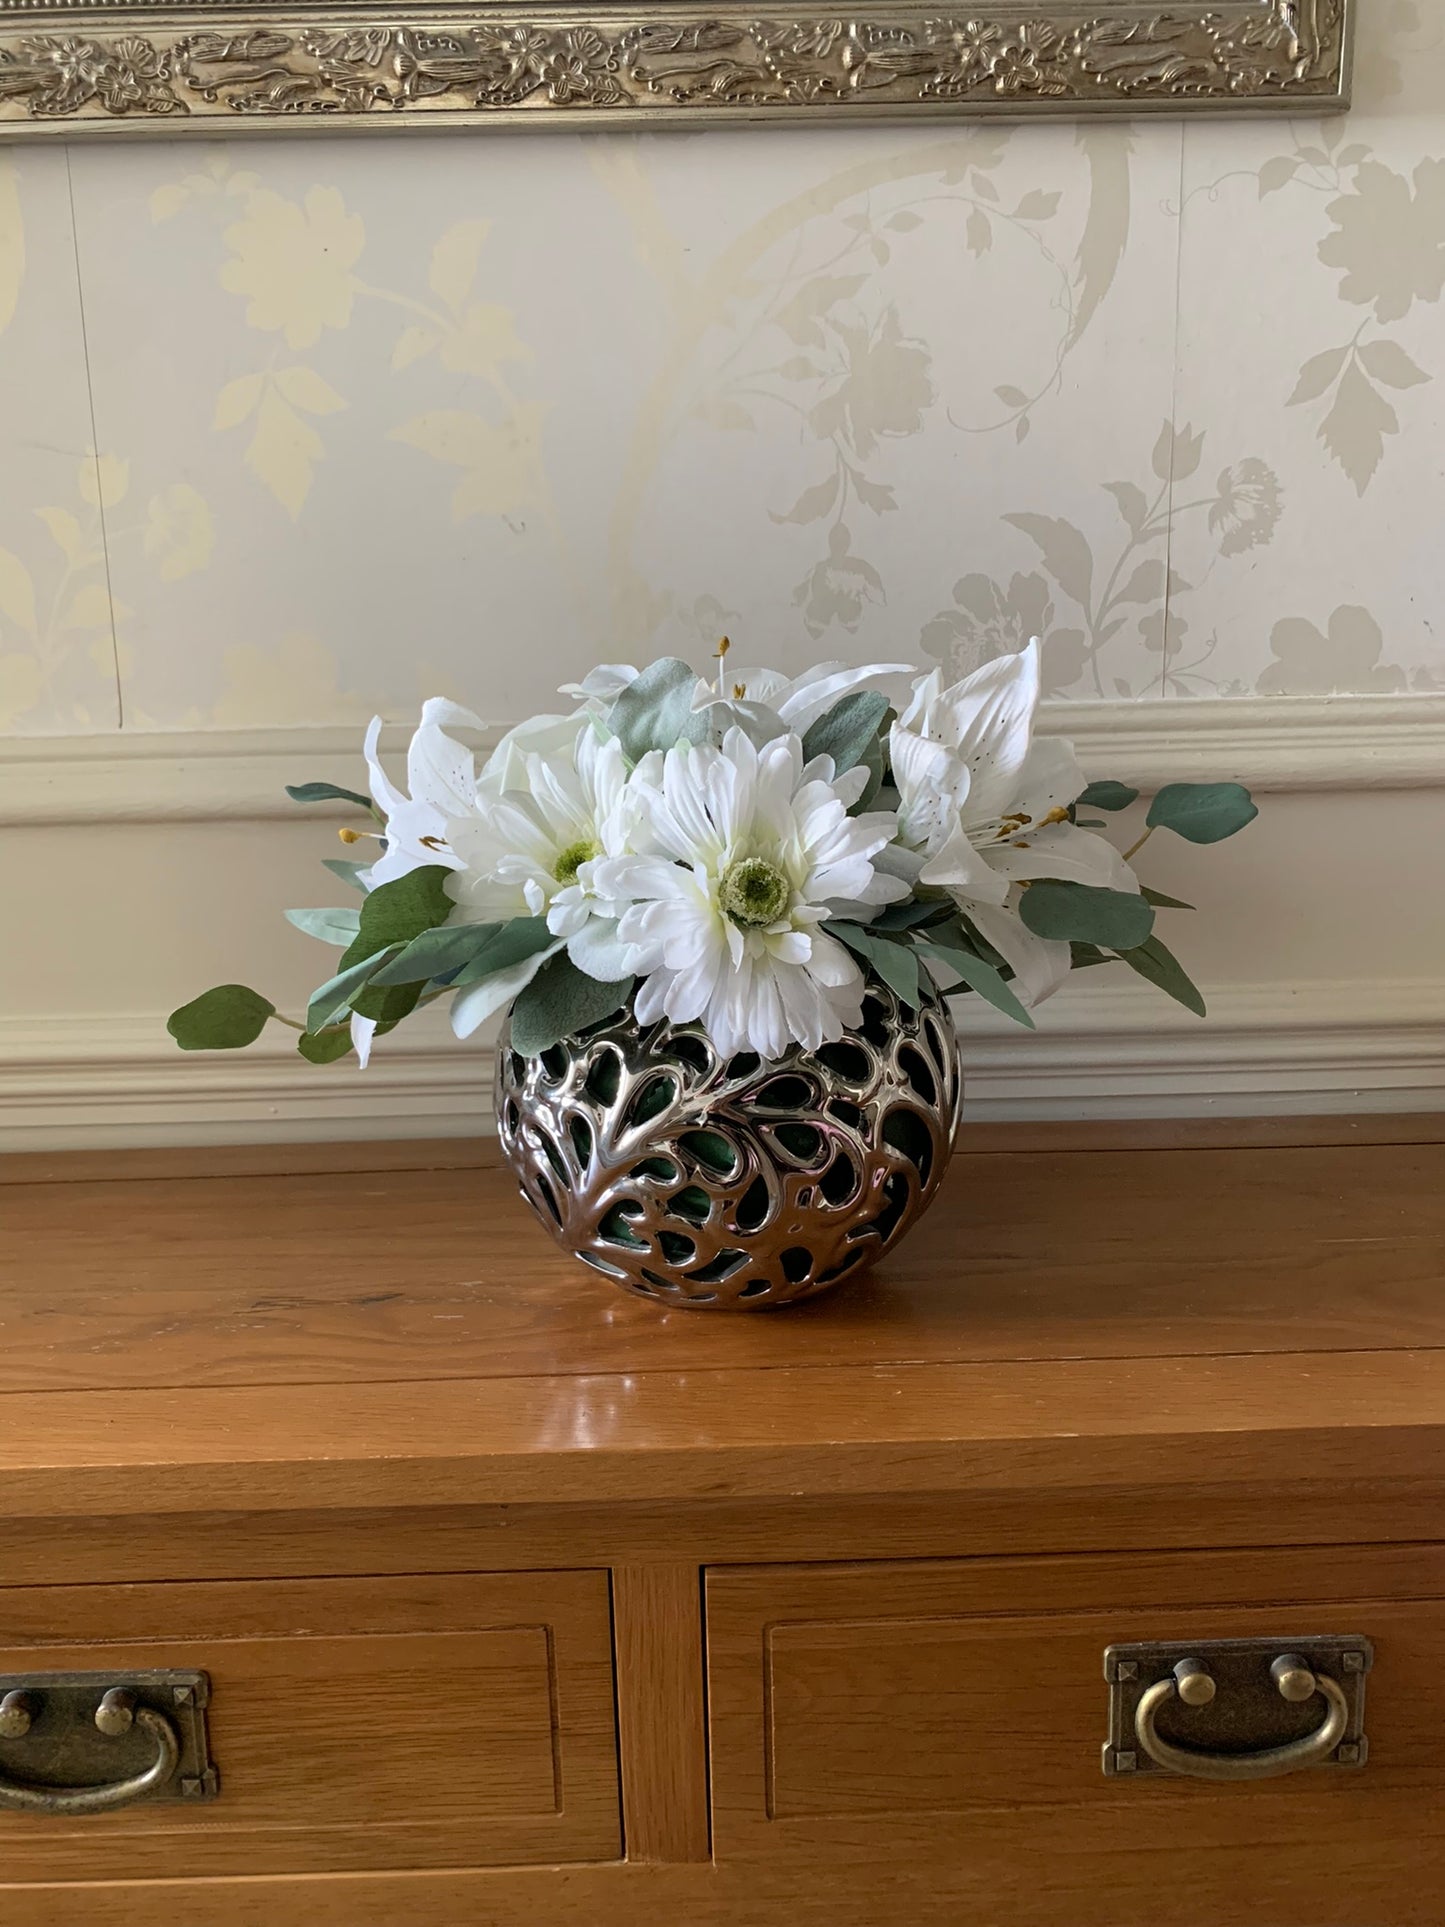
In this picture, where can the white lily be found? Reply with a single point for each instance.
(441, 775)
(986, 808)
(800, 701)
(749, 850)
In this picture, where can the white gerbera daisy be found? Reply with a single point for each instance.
(519, 838)
(986, 807)
(748, 851)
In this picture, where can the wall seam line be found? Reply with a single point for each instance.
(1163, 690)
(94, 440)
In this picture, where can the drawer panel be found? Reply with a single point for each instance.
(922, 1707)
(399, 1723)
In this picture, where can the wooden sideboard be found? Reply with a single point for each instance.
(522, 1604)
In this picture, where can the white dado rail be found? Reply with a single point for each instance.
(1277, 1039)
(1269, 743)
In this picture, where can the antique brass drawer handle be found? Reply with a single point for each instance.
(1237, 1709)
(58, 1730)
(1191, 1683)
(116, 1715)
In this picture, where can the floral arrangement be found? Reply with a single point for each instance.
(741, 853)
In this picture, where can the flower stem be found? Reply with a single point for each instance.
(1140, 844)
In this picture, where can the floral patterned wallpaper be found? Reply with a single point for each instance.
(296, 430)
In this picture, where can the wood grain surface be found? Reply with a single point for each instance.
(328, 1277)
(661, 1717)
(1064, 1319)
(354, 1723)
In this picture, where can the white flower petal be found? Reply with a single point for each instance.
(599, 952)
(1063, 850)
(964, 872)
(475, 1003)
(1039, 964)
(363, 1029)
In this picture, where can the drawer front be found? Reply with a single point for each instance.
(353, 1724)
(932, 1708)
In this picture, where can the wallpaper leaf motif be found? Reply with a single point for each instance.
(61, 603)
(859, 377)
(1387, 238)
(990, 619)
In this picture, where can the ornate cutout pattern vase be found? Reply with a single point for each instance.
(733, 1183)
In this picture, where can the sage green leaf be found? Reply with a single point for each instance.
(349, 872)
(440, 951)
(325, 1047)
(978, 976)
(1069, 912)
(509, 944)
(895, 963)
(396, 912)
(1160, 901)
(387, 1004)
(1160, 966)
(226, 1018)
(654, 711)
(1107, 796)
(560, 1001)
(873, 760)
(846, 730)
(1084, 956)
(1202, 812)
(326, 793)
(331, 926)
(911, 912)
(338, 992)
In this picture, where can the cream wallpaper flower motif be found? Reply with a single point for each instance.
(1096, 608)
(382, 418)
(1344, 654)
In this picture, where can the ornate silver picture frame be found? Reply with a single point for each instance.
(203, 66)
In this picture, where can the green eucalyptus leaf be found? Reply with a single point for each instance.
(386, 1005)
(1202, 812)
(331, 926)
(226, 1018)
(1084, 956)
(439, 951)
(978, 976)
(846, 730)
(1160, 901)
(910, 913)
(396, 912)
(326, 793)
(1161, 967)
(895, 963)
(325, 1047)
(560, 1001)
(872, 759)
(349, 872)
(1107, 796)
(655, 711)
(339, 992)
(508, 944)
(1068, 912)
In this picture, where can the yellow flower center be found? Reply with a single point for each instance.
(570, 860)
(754, 891)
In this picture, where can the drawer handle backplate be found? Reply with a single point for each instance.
(56, 1727)
(1237, 1709)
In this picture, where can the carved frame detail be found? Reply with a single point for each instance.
(68, 66)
